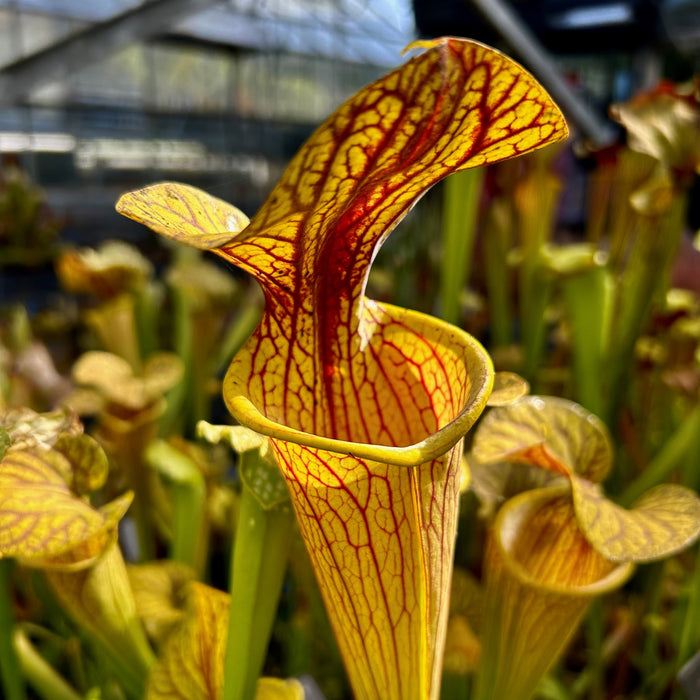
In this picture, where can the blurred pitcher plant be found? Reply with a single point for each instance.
(118, 278)
(557, 542)
(48, 469)
(366, 404)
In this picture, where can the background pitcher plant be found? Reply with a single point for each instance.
(557, 544)
(365, 403)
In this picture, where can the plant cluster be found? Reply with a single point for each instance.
(28, 230)
(341, 529)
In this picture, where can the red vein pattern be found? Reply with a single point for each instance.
(191, 666)
(456, 106)
(39, 516)
(381, 537)
(328, 362)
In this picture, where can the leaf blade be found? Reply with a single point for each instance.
(39, 516)
(184, 213)
(191, 666)
(663, 521)
(456, 106)
(549, 432)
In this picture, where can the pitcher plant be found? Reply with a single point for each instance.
(557, 544)
(366, 404)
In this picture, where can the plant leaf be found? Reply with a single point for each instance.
(467, 597)
(540, 576)
(462, 647)
(112, 268)
(88, 462)
(458, 105)
(549, 546)
(204, 283)
(508, 387)
(264, 480)
(549, 432)
(191, 666)
(663, 123)
(39, 516)
(279, 689)
(663, 521)
(114, 377)
(184, 214)
(100, 599)
(239, 437)
(102, 370)
(379, 539)
(159, 594)
(27, 429)
(496, 482)
(257, 465)
(162, 371)
(563, 438)
(5, 442)
(85, 553)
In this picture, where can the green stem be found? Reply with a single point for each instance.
(654, 591)
(667, 459)
(645, 276)
(690, 634)
(43, 678)
(455, 686)
(100, 601)
(114, 322)
(594, 640)
(498, 276)
(660, 681)
(146, 317)
(690, 468)
(461, 205)
(588, 299)
(241, 329)
(535, 290)
(11, 681)
(172, 420)
(259, 562)
(536, 207)
(141, 509)
(553, 689)
(189, 501)
(131, 677)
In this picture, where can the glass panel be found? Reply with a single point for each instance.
(118, 79)
(9, 49)
(23, 33)
(40, 31)
(190, 79)
(89, 10)
(295, 88)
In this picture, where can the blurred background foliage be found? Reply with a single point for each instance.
(577, 267)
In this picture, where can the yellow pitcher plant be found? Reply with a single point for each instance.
(366, 404)
(117, 276)
(48, 468)
(555, 547)
(191, 666)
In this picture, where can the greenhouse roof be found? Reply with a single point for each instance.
(364, 31)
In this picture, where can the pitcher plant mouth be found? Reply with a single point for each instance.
(479, 373)
(508, 528)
